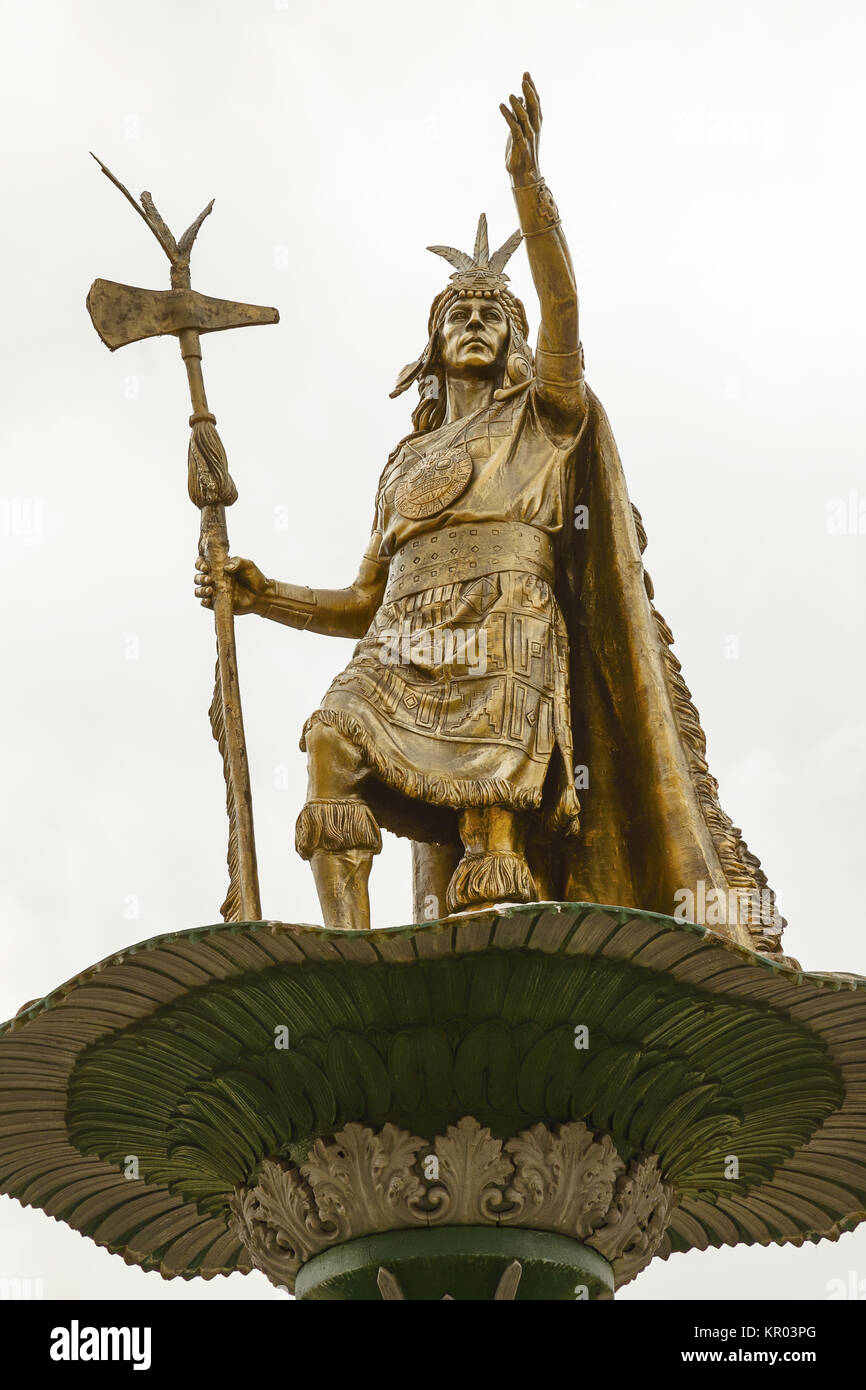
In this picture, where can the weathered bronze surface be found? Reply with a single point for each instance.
(124, 314)
(527, 1102)
(509, 655)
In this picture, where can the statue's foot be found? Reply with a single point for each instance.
(484, 878)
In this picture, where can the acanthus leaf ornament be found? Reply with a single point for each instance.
(473, 1171)
(562, 1179)
(637, 1218)
(390, 1191)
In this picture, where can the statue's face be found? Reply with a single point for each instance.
(474, 336)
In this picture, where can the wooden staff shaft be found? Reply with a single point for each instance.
(215, 549)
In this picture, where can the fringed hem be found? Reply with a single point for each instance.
(457, 794)
(336, 826)
(490, 878)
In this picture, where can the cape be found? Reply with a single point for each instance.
(652, 831)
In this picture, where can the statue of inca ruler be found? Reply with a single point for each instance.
(509, 654)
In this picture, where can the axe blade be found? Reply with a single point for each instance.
(124, 314)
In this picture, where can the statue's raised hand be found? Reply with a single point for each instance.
(524, 127)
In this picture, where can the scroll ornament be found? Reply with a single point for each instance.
(362, 1182)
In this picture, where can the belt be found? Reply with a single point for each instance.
(468, 551)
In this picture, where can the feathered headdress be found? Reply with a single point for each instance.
(479, 275)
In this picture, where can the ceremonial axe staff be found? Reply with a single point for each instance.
(122, 314)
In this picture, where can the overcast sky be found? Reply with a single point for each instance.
(707, 161)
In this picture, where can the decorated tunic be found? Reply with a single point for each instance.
(458, 693)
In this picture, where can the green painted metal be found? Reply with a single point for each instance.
(464, 1263)
(201, 1093)
(698, 1049)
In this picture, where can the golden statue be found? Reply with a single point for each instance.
(509, 654)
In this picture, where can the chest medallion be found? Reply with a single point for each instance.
(433, 482)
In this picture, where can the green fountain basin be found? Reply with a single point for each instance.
(136, 1099)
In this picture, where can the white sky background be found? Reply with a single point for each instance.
(708, 164)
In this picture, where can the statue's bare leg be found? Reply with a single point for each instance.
(336, 830)
(493, 868)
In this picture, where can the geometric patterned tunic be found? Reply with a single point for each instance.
(458, 693)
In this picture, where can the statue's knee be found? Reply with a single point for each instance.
(320, 741)
(326, 746)
(335, 767)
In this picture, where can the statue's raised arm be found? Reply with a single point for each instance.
(559, 356)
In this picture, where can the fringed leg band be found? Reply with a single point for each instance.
(336, 826)
(485, 878)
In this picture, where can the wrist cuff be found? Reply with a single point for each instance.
(536, 209)
(295, 599)
(559, 368)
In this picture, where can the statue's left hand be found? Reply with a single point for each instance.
(524, 126)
